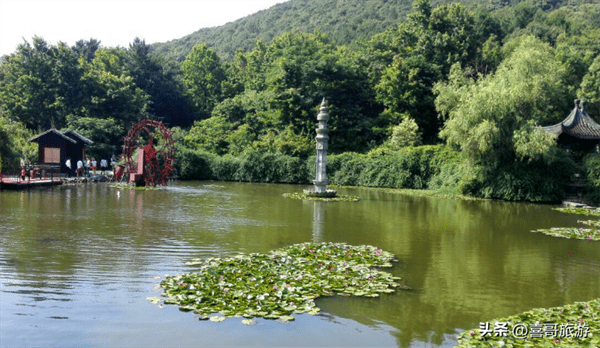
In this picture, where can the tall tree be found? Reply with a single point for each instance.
(86, 49)
(203, 75)
(590, 88)
(161, 81)
(14, 144)
(493, 120)
(405, 88)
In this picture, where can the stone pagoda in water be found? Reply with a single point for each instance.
(320, 188)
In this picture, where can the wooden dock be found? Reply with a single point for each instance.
(16, 183)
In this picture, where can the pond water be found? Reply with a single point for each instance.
(77, 263)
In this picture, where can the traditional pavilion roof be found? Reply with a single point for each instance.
(70, 136)
(74, 134)
(53, 130)
(578, 124)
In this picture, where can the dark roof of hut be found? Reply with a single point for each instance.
(74, 134)
(578, 124)
(53, 130)
(70, 136)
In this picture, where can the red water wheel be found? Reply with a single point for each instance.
(159, 153)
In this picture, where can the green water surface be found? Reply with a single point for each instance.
(77, 263)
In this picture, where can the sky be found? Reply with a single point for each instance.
(115, 22)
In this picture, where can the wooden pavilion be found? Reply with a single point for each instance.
(577, 132)
(55, 147)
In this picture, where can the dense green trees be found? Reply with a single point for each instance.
(276, 91)
(410, 59)
(41, 84)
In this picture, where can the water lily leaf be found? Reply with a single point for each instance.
(217, 319)
(249, 322)
(153, 299)
(286, 318)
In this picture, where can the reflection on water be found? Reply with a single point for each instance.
(77, 263)
(318, 219)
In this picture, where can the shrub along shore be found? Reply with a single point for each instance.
(437, 170)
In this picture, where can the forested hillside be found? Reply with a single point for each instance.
(343, 21)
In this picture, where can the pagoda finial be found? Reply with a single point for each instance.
(583, 105)
(323, 106)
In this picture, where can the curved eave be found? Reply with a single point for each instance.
(578, 124)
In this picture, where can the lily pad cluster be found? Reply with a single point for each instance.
(576, 232)
(580, 211)
(281, 283)
(577, 325)
(304, 196)
(572, 232)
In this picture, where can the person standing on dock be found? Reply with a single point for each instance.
(103, 165)
(94, 166)
(79, 168)
(87, 165)
(68, 164)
